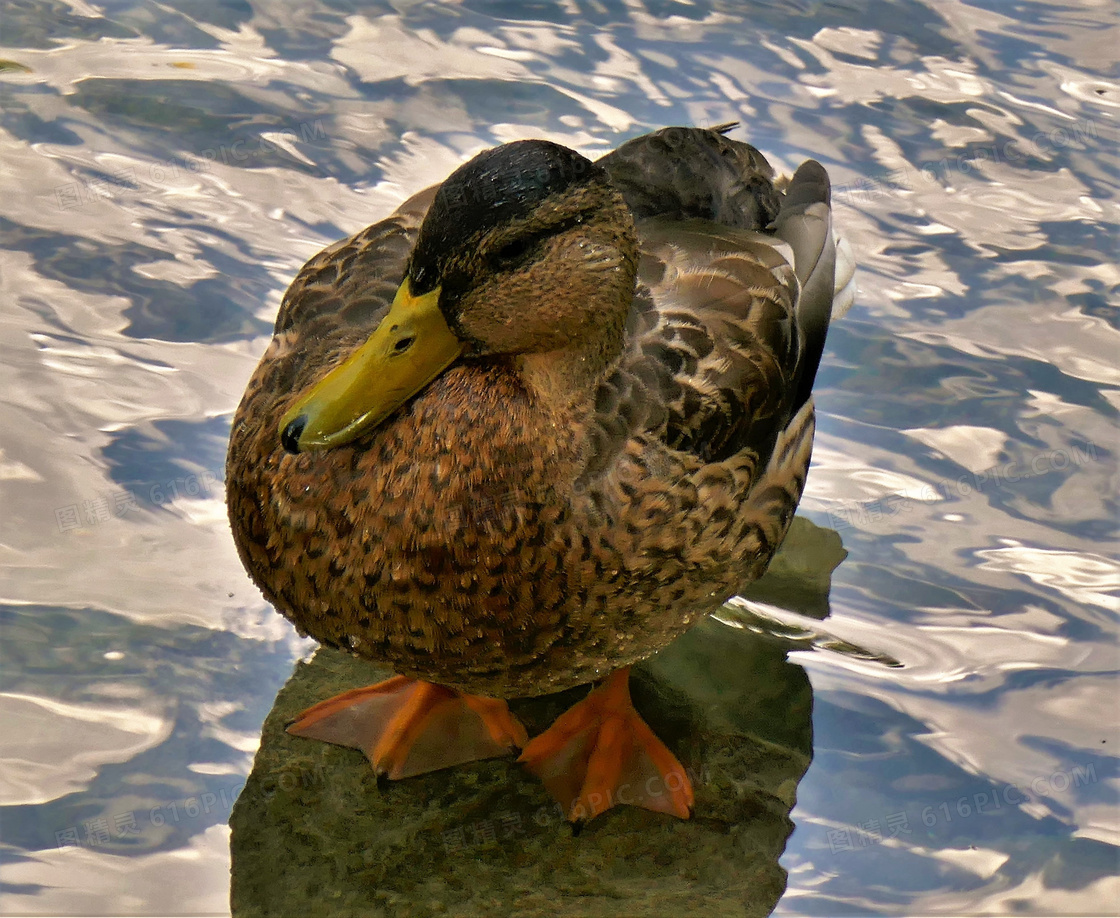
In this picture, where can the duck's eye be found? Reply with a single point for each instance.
(403, 345)
(514, 251)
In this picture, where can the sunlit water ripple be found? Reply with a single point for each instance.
(166, 172)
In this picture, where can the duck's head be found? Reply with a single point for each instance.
(526, 249)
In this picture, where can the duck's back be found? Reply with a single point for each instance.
(702, 436)
(688, 173)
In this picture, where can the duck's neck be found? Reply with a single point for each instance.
(565, 380)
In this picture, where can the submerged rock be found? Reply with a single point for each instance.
(314, 832)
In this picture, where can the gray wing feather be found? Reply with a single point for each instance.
(805, 224)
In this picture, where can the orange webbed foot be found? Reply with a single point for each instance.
(600, 753)
(407, 727)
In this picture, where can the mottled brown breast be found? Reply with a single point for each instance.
(436, 542)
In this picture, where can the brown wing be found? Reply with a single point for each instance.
(340, 296)
(729, 322)
(688, 173)
(712, 346)
(352, 282)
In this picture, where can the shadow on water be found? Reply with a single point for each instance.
(487, 838)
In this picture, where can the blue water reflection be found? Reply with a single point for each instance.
(167, 170)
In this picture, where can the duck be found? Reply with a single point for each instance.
(522, 433)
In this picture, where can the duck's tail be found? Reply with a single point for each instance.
(823, 264)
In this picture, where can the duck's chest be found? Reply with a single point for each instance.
(455, 515)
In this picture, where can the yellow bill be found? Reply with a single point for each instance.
(411, 347)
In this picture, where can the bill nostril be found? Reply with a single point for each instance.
(289, 438)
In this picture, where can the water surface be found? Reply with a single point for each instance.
(165, 171)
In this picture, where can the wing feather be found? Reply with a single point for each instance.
(736, 285)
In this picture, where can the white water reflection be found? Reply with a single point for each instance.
(41, 765)
(190, 880)
(167, 172)
(1083, 577)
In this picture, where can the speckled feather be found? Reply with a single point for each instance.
(506, 544)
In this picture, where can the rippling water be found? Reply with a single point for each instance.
(164, 174)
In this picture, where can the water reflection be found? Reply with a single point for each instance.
(167, 172)
(125, 746)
